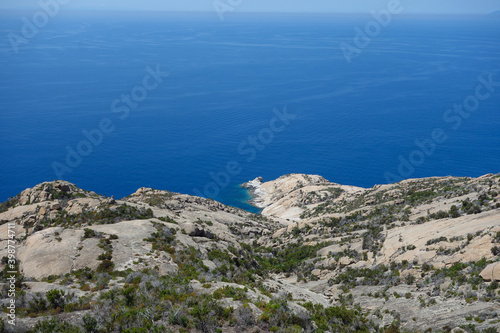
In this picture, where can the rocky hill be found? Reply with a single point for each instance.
(416, 256)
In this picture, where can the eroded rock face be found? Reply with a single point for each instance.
(57, 251)
(49, 252)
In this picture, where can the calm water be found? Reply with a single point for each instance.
(351, 121)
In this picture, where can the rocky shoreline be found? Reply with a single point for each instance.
(254, 188)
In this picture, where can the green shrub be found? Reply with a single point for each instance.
(105, 266)
(37, 305)
(54, 326)
(88, 233)
(436, 240)
(454, 212)
(56, 298)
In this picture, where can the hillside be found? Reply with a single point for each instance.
(416, 256)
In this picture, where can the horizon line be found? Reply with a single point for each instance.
(244, 12)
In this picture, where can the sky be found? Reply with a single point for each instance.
(454, 7)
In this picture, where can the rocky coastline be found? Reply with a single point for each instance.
(254, 188)
(403, 252)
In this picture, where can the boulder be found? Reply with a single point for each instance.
(43, 210)
(346, 261)
(316, 272)
(167, 268)
(491, 272)
(458, 330)
(210, 264)
(55, 206)
(194, 230)
(63, 187)
(44, 196)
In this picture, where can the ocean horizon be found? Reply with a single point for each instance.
(190, 104)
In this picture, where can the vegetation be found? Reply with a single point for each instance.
(163, 239)
(436, 240)
(289, 259)
(103, 215)
(380, 275)
(12, 202)
(217, 284)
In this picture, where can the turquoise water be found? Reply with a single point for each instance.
(349, 122)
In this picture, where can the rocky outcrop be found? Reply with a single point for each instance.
(413, 242)
(286, 197)
(491, 272)
(194, 230)
(57, 250)
(52, 190)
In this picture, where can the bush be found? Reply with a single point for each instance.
(288, 259)
(436, 240)
(244, 316)
(103, 215)
(56, 298)
(410, 279)
(88, 233)
(338, 319)
(237, 294)
(205, 315)
(5, 206)
(54, 325)
(394, 328)
(493, 286)
(37, 305)
(129, 295)
(278, 314)
(105, 266)
(454, 212)
(178, 317)
(439, 215)
(89, 324)
(105, 256)
(163, 239)
(470, 208)
(379, 275)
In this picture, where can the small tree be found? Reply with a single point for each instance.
(454, 211)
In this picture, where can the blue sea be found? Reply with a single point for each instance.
(254, 95)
